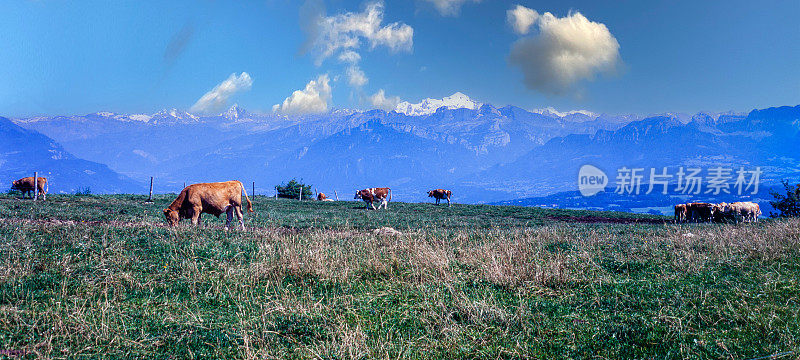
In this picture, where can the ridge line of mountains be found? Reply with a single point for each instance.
(484, 154)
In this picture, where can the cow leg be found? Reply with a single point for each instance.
(385, 204)
(240, 216)
(196, 216)
(372, 203)
(229, 216)
(448, 201)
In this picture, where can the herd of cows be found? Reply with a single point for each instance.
(226, 197)
(722, 212)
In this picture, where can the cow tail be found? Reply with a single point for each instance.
(390, 194)
(249, 204)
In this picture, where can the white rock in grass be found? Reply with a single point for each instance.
(387, 231)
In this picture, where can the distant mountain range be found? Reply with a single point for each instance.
(27, 151)
(483, 153)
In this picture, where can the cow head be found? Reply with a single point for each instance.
(430, 193)
(172, 217)
(358, 195)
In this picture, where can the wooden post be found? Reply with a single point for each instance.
(184, 185)
(254, 189)
(301, 192)
(35, 185)
(150, 198)
(337, 195)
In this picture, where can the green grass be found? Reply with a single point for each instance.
(102, 276)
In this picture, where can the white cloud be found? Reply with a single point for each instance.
(449, 7)
(563, 52)
(329, 34)
(313, 99)
(521, 18)
(216, 99)
(356, 77)
(350, 57)
(380, 101)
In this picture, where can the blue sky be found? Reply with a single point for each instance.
(59, 57)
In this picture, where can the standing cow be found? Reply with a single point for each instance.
(210, 198)
(701, 212)
(440, 194)
(746, 210)
(375, 194)
(26, 185)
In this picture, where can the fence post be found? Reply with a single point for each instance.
(301, 192)
(35, 185)
(254, 189)
(150, 198)
(337, 195)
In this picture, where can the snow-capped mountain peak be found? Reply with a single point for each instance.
(550, 111)
(235, 112)
(173, 116)
(429, 106)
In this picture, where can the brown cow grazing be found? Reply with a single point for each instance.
(680, 213)
(375, 194)
(26, 185)
(701, 212)
(440, 194)
(323, 197)
(210, 198)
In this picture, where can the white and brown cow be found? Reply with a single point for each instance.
(440, 194)
(210, 198)
(323, 197)
(746, 210)
(375, 194)
(25, 185)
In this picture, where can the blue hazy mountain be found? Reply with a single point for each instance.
(26, 151)
(769, 139)
(484, 153)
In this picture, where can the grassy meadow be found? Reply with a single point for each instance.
(103, 277)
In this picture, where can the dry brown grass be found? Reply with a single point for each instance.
(301, 293)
